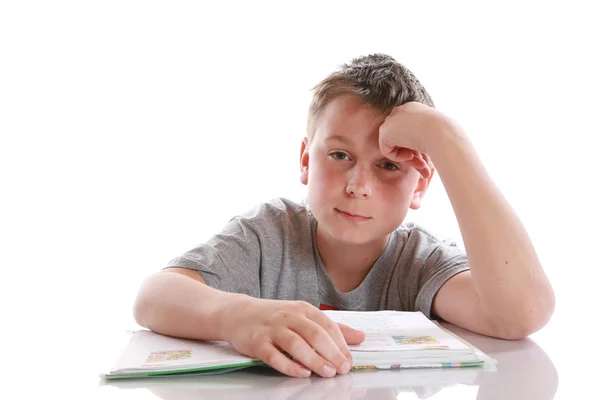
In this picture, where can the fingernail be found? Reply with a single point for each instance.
(345, 368)
(305, 373)
(328, 370)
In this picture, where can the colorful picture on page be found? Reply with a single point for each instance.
(415, 340)
(172, 355)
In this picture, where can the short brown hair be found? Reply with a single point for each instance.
(377, 79)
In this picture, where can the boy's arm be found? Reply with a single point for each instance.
(506, 293)
(174, 302)
(177, 302)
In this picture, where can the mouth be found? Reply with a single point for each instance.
(351, 216)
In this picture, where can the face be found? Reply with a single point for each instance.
(357, 195)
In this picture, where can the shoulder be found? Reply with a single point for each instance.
(277, 206)
(420, 243)
(411, 232)
(276, 214)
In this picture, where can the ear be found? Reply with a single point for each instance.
(304, 162)
(420, 189)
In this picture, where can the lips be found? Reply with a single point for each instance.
(352, 215)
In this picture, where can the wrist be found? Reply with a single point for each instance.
(233, 306)
(445, 139)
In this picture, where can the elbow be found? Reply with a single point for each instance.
(515, 332)
(142, 304)
(533, 317)
(138, 313)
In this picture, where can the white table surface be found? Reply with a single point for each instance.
(59, 351)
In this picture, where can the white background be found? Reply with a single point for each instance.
(133, 130)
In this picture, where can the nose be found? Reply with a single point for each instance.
(360, 182)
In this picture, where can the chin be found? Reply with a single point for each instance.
(352, 236)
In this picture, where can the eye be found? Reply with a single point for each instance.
(389, 166)
(339, 155)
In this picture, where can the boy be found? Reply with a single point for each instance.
(373, 139)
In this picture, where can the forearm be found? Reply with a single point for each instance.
(177, 305)
(509, 280)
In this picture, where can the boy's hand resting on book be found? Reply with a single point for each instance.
(267, 329)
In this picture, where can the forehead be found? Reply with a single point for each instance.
(347, 116)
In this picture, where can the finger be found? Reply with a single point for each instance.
(273, 357)
(351, 335)
(425, 169)
(394, 152)
(418, 159)
(325, 337)
(425, 172)
(421, 164)
(401, 154)
(414, 163)
(427, 159)
(334, 331)
(295, 345)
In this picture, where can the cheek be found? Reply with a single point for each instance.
(323, 177)
(396, 193)
(324, 187)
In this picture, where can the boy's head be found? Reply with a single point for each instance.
(357, 195)
(377, 80)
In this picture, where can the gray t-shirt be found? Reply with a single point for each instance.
(270, 252)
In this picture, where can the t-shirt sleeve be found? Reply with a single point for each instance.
(444, 261)
(229, 261)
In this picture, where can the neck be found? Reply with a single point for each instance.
(348, 264)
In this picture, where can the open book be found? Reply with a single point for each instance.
(394, 340)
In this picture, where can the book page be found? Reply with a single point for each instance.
(152, 351)
(396, 331)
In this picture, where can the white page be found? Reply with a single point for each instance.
(396, 331)
(379, 321)
(150, 350)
